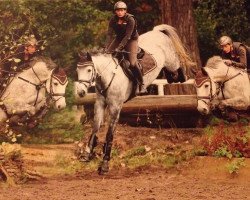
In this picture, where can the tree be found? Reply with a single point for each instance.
(214, 19)
(179, 14)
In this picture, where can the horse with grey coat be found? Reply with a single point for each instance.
(25, 93)
(222, 86)
(114, 87)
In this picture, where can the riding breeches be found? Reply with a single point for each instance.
(131, 47)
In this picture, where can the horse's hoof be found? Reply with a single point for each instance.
(103, 168)
(86, 157)
(232, 117)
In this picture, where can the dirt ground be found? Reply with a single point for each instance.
(199, 178)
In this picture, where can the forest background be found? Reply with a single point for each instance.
(64, 27)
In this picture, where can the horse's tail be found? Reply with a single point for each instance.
(170, 31)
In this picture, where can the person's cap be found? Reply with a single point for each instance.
(225, 40)
(120, 5)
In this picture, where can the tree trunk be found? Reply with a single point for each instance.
(179, 14)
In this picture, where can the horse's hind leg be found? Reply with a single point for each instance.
(98, 118)
(114, 116)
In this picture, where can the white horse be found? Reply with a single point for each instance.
(114, 87)
(26, 92)
(220, 85)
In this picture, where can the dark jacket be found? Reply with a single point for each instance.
(123, 32)
(240, 55)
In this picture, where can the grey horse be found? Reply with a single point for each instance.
(114, 87)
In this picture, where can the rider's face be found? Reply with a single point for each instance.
(31, 49)
(120, 12)
(226, 48)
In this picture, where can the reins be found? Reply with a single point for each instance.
(98, 79)
(37, 86)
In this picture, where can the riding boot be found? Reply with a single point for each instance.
(89, 154)
(104, 165)
(139, 77)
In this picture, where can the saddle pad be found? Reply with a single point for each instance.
(147, 63)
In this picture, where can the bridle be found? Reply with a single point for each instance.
(38, 86)
(95, 77)
(87, 83)
(219, 88)
(212, 94)
(51, 93)
(42, 84)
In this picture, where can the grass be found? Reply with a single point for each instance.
(56, 127)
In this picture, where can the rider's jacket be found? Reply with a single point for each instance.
(123, 32)
(240, 55)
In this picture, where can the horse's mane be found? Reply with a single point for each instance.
(49, 63)
(92, 52)
(213, 62)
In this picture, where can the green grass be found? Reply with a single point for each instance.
(56, 127)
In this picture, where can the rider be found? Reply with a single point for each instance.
(124, 26)
(20, 59)
(235, 53)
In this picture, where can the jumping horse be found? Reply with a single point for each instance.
(114, 87)
(222, 86)
(28, 91)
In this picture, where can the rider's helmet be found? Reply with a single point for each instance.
(120, 5)
(31, 41)
(224, 40)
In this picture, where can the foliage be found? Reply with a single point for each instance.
(10, 151)
(227, 141)
(56, 127)
(214, 19)
(235, 165)
(67, 26)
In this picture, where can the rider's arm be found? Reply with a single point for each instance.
(129, 30)
(243, 58)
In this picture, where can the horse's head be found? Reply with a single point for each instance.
(56, 87)
(86, 74)
(206, 91)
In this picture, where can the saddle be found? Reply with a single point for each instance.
(146, 63)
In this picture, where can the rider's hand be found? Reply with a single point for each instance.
(228, 62)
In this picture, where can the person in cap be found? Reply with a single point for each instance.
(124, 26)
(235, 54)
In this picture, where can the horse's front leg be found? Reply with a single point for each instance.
(21, 108)
(99, 109)
(114, 112)
(228, 106)
(239, 103)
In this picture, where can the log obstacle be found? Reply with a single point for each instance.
(171, 105)
(163, 96)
